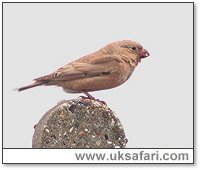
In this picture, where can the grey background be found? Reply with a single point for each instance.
(155, 105)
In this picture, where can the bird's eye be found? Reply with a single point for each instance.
(133, 48)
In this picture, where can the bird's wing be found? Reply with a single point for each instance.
(78, 70)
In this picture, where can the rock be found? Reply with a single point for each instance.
(79, 123)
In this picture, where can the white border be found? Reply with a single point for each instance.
(21, 153)
(68, 155)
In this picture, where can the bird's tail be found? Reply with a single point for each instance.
(37, 83)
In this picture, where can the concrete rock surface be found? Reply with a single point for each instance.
(79, 123)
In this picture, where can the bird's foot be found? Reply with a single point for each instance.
(101, 101)
(89, 96)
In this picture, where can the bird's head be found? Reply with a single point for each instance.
(131, 49)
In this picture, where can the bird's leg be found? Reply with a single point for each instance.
(89, 96)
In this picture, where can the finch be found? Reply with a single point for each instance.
(106, 68)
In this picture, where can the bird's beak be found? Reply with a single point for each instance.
(144, 53)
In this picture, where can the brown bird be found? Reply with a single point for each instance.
(106, 68)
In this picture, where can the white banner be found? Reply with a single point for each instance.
(97, 155)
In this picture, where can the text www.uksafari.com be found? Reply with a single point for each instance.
(139, 156)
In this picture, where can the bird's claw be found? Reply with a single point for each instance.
(101, 101)
(92, 98)
(86, 97)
